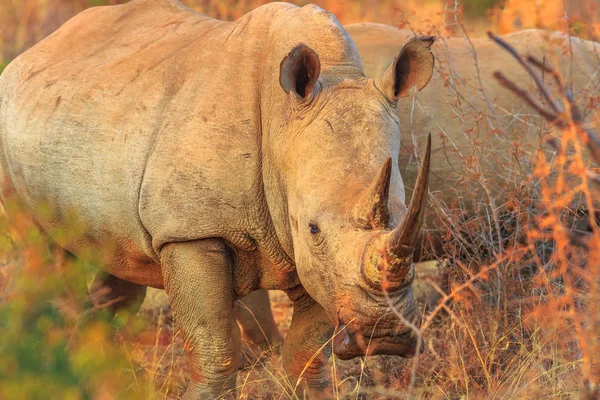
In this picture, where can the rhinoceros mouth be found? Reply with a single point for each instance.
(348, 345)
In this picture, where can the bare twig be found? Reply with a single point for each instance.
(525, 96)
(555, 116)
(523, 62)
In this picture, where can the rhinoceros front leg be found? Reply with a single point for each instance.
(309, 331)
(198, 279)
(258, 325)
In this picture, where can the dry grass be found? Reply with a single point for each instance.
(517, 316)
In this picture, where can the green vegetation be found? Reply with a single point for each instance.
(96, 3)
(478, 8)
(3, 64)
(50, 347)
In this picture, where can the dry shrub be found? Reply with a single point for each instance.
(577, 16)
(519, 311)
(50, 347)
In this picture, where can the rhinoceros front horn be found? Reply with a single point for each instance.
(387, 261)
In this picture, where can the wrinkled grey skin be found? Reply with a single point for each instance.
(473, 116)
(215, 158)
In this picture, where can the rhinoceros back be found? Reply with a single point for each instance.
(463, 104)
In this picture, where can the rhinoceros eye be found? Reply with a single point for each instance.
(314, 229)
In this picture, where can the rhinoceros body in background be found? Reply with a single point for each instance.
(215, 158)
(472, 115)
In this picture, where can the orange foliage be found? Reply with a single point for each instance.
(576, 16)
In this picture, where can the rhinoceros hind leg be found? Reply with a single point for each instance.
(107, 292)
(198, 278)
(309, 331)
(258, 325)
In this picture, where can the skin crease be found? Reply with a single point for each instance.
(435, 109)
(197, 161)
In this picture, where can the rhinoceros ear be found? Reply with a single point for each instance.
(299, 71)
(413, 66)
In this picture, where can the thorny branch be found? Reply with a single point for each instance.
(555, 116)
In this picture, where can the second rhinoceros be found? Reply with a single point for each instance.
(488, 138)
(215, 158)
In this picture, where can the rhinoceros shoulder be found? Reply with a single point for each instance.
(375, 28)
(378, 34)
(377, 44)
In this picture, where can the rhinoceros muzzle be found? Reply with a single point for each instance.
(348, 344)
(374, 329)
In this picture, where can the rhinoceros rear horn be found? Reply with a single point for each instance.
(299, 71)
(371, 210)
(413, 66)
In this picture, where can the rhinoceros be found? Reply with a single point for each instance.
(488, 137)
(214, 158)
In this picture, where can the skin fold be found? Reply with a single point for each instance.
(214, 159)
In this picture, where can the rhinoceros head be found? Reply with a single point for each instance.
(353, 236)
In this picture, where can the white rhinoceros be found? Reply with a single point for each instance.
(215, 158)
(487, 137)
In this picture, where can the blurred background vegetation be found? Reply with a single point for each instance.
(25, 22)
(50, 346)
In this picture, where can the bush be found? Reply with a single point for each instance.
(478, 8)
(50, 348)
